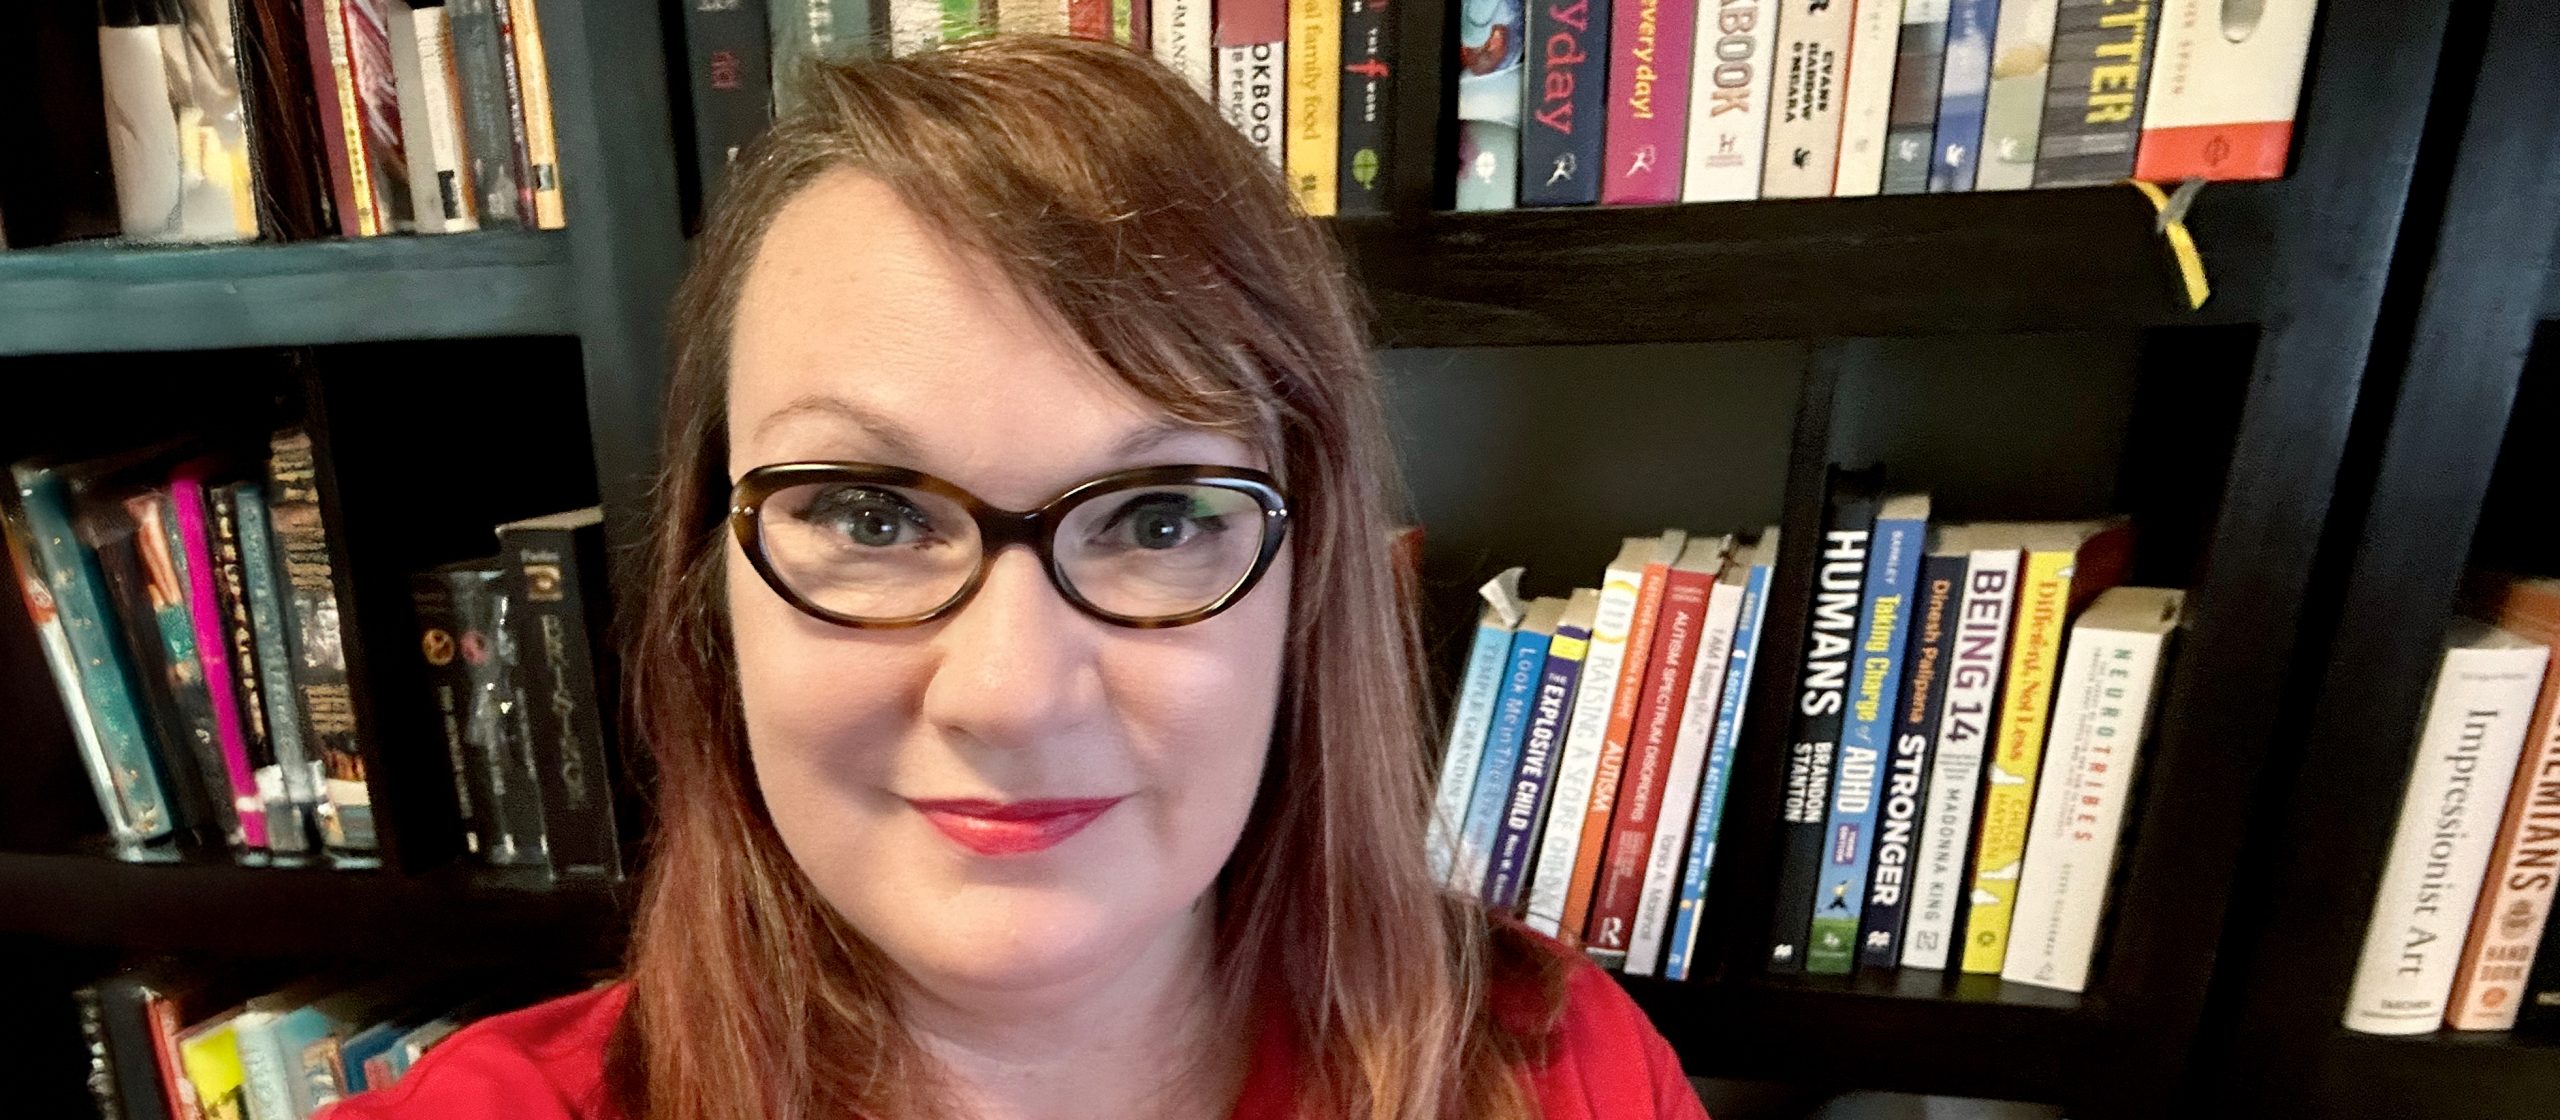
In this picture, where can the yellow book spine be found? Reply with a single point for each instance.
(542, 145)
(1315, 104)
(212, 1065)
(2026, 702)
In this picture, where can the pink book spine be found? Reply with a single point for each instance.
(187, 497)
(1646, 146)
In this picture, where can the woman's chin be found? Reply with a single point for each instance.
(1011, 939)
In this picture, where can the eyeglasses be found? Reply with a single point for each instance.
(875, 547)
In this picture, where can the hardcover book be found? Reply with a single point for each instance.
(1470, 721)
(1490, 51)
(288, 149)
(1866, 731)
(1805, 99)
(1867, 98)
(555, 585)
(1608, 770)
(1708, 820)
(2013, 110)
(1935, 603)
(1918, 75)
(1822, 684)
(2093, 105)
(1524, 668)
(1253, 72)
(1568, 76)
(2221, 99)
(1729, 101)
(1314, 113)
(1648, 132)
(1369, 99)
(1965, 724)
(1658, 892)
(1578, 763)
(2515, 906)
(1961, 95)
(1526, 803)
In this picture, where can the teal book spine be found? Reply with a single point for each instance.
(1525, 667)
(1479, 690)
(1884, 625)
(1709, 818)
(261, 578)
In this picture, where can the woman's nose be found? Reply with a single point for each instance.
(1017, 660)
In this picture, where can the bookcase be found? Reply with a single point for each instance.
(2306, 453)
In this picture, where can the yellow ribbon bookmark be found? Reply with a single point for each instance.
(2172, 225)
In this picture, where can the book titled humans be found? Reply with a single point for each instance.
(1840, 570)
(2222, 93)
(1729, 100)
(2515, 906)
(1253, 72)
(1804, 99)
(1866, 732)
(2467, 747)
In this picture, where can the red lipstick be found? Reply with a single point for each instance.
(1012, 828)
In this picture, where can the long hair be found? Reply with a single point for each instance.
(1113, 195)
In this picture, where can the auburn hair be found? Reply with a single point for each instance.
(1113, 195)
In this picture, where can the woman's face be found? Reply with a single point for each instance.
(863, 335)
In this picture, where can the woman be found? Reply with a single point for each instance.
(1110, 809)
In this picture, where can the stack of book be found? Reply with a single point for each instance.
(1957, 773)
(236, 120)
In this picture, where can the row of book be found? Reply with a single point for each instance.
(1957, 778)
(236, 120)
(188, 603)
(166, 1042)
(2460, 936)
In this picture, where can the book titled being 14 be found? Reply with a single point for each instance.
(556, 588)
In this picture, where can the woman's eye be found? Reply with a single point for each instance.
(1156, 522)
(870, 517)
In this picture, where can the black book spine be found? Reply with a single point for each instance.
(290, 160)
(1840, 569)
(480, 63)
(729, 71)
(318, 652)
(1567, 103)
(230, 586)
(554, 579)
(1915, 735)
(496, 733)
(2539, 1013)
(448, 677)
(1369, 92)
(124, 1017)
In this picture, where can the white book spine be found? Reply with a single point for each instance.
(2221, 63)
(2100, 710)
(264, 1079)
(914, 25)
(2013, 112)
(431, 119)
(1478, 690)
(1729, 101)
(142, 131)
(1660, 894)
(1254, 94)
(1874, 40)
(1180, 29)
(1578, 764)
(1955, 773)
(2467, 749)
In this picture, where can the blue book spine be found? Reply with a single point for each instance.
(1884, 624)
(267, 620)
(1527, 806)
(1511, 717)
(1705, 823)
(1479, 690)
(1961, 92)
(1935, 603)
(108, 685)
(1568, 61)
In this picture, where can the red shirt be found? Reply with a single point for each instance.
(546, 1062)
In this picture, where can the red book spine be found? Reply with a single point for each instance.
(1648, 770)
(1587, 871)
(1089, 19)
(331, 95)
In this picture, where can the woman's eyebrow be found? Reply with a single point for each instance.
(895, 440)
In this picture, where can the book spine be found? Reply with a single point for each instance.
(1314, 115)
(1866, 744)
(1918, 72)
(2093, 104)
(212, 643)
(1957, 152)
(1091, 19)
(1479, 691)
(1023, 17)
(267, 1084)
(1523, 671)
(550, 578)
(1648, 131)
(378, 98)
(126, 1018)
(2013, 110)
(1840, 571)
(318, 655)
(1729, 101)
(1915, 731)
(240, 636)
(2099, 715)
(1646, 774)
(101, 1078)
(1253, 71)
(488, 141)
(107, 533)
(1527, 799)
(1369, 99)
(1867, 98)
(1658, 895)
(1490, 53)
(161, 1013)
(1577, 768)
(2467, 749)
(298, 772)
(1955, 775)
(1804, 104)
(143, 142)
(286, 139)
(542, 141)
(164, 577)
(916, 25)
(1708, 820)
(2220, 102)
(434, 169)
(2026, 708)
(1609, 771)
(440, 636)
(221, 197)
(2515, 907)
(519, 137)
(341, 119)
(1568, 82)
(1179, 32)
(498, 730)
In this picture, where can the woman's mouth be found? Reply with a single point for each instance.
(1013, 828)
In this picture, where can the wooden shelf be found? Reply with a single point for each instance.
(1918, 264)
(101, 296)
(2450, 1075)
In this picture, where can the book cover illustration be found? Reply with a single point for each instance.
(1490, 50)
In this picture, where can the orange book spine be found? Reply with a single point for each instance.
(1613, 752)
(2515, 902)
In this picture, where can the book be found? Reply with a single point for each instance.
(806, 31)
(1645, 144)
(1608, 769)
(448, 678)
(1369, 99)
(266, 1070)
(298, 775)
(1918, 74)
(2013, 109)
(143, 68)
(239, 635)
(1025, 17)
(211, 1053)
(1578, 762)
(161, 581)
(1524, 668)
(1803, 158)
(181, 744)
(1956, 154)
(1178, 33)
(2093, 102)
(489, 123)
(1708, 818)
(1867, 97)
(314, 648)
(2064, 565)
(288, 151)
(431, 120)
(311, 1037)
(2221, 98)
(1526, 802)
(1659, 893)
(1490, 50)
(190, 534)
(1970, 715)
(101, 1075)
(916, 25)
(1568, 82)
(1866, 732)
(1646, 772)
(358, 44)
(124, 1015)
(2474, 730)
(1253, 72)
(495, 727)
(218, 195)
(1470, 721)
(529, 115)
(963, 20)
(2515, 904)
(1314, 114)
(1839, 578)
(1936, 599)
(557, 597)
(1729, 102)
(2101, 715)
(729, 72)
